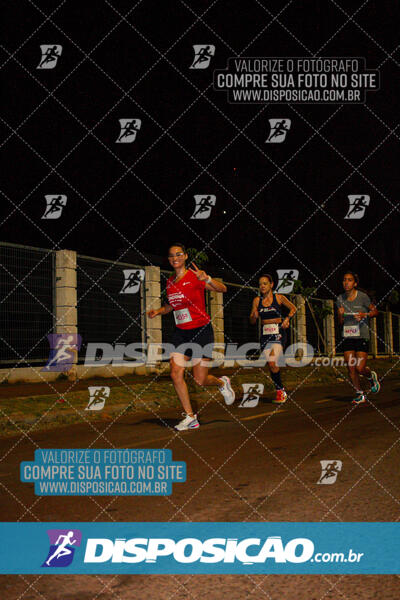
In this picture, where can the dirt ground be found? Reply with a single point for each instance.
(242, 465)
(292, 376)
(27, 407)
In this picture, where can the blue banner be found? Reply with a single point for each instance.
(111, 472)
(194, 548)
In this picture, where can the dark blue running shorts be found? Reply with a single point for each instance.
(194, 343)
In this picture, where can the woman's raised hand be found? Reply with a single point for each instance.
(201, 275)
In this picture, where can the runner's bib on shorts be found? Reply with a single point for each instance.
(182, 316)
(271, 329)
(351, 331)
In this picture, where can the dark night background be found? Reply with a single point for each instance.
(129, 201)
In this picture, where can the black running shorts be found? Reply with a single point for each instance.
(194, 343)
(354, 345)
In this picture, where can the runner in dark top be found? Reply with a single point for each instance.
(267, 307)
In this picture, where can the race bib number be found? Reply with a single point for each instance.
(182, 316)
(351, 331)
(271, 329)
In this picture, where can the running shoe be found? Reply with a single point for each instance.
(227, 391)
(359, 399)
(376, 386)
(281, 397)
(188, 423)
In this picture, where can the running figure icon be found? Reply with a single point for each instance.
(330, 471)
(204, 205)
(133, 279)
(64, 348)
(98, 397)
(357, 206)
(54, 206)
(128, 130)
(252, 392)
(50, 56)
(62, 351)
(286, 280)
(279, 130)
(62, 549)
(202, 56)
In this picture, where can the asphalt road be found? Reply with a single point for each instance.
(259, 464)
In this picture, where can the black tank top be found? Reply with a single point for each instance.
(273, 311)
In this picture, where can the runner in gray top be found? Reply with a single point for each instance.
(354, 311)
(360, 304)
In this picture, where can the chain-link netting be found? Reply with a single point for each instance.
(108, 309)
(26, 314)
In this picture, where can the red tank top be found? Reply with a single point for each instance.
(187, 299)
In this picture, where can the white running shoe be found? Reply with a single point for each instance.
(227, 391)
(188, 423)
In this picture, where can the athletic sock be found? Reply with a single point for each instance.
(276, 378)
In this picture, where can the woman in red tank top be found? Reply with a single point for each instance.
(193, 337)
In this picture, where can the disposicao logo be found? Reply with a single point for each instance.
(62, 547)
(190, 550)
(63, 350)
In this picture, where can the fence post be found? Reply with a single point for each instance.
(300, 320)
(217, 318)
(329, 329)
(388, 333)
(374, 338)
(65, 299)
(152, 299)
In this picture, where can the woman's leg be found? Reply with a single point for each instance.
(361, 365)
(201, 376)
(178, 379)
(362, 369)
(351, 361)
(273, 353)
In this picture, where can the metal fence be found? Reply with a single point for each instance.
(167, 321)
(315, 325)
(104, 313)
(396, 333)
(237, 306)
(26, 314)
(380, 334)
